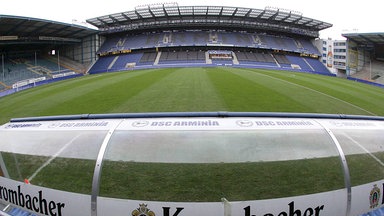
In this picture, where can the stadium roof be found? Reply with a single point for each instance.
(366, 38)
(166, 16)
(18, 29)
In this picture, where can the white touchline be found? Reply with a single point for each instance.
(52, 158)
(322, 93)
(366, 150)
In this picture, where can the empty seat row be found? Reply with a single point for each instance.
(205, 38)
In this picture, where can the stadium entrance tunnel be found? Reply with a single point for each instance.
(178, 164)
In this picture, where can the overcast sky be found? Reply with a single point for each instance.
(346, 16)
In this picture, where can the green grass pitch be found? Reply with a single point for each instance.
(196, 89)
(200, 182)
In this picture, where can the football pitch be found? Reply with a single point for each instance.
(196, 90)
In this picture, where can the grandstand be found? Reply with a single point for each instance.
(155, 36)
(192, 48)
(35, 50)
(365, 56)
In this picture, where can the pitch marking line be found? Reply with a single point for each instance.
(52, 158)
(364, 149)
(319, 92)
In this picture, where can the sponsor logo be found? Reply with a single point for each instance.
(54, 125)
(23, 125)
(143, 211)
(292, 211)
(140, 123)
(352, 124)
(187, 123)
(244, 123)
(283, 123)
(34, 202)
(374, 197)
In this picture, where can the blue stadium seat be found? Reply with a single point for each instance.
(259, 45)
(318, 66)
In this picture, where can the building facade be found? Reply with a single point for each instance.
(334, 56)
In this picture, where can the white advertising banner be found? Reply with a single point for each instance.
(63, 74)
(368, 198)
(344, 124)
(108, 206)
(217, 123)
(74, 125)
(328, 203)
(43, 201)
(28, 81)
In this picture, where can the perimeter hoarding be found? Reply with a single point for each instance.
(42, 200)
(46, 201)
(176, 166)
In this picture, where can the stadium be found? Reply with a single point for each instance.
(187, 110)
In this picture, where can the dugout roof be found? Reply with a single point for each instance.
(105, 161)
(17, 29)
(167, 16)
(366, 38)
